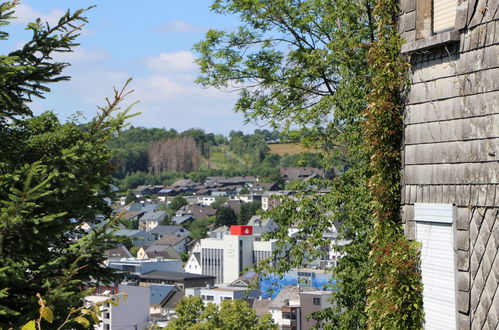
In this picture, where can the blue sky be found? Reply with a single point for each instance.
(149, 41)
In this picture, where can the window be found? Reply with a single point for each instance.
(226, 298)
(317, 301)
(434, 232)
(106, 315)
(435, 16)
(210, 298)
(107, 327)
(129, 269)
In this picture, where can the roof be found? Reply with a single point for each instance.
(287, 293)
(130, 233)
(261, 306)
(197, 256)
(299, 173)
(197, 211)
(166, 230)
(159, 293)
(179, 219)
(158, 274)
(184, 182)
(165, 251)
(119, 252)
(170, 240)
(153, 216)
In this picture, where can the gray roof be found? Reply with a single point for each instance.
(130, 233)
(159, 293)
(174, 275)
(179, 219)
(153, 216)
(165, 230)
(287, 293)
(171, 240)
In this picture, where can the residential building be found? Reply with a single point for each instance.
(178, 243)
(151, 220)
(272, 199)
(285, 308)
(131, 313)
(312, 301)
(163, 300)
(161, 231)
(450, 157)
(300, 173)
(118, 253)
(261, 226)
(157, 251)
(220, 293)
(179, 278)
(139, 237)
(196, 211)
(193, 264)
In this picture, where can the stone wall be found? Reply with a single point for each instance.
(451, 143)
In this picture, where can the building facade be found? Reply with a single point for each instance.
(450, 157)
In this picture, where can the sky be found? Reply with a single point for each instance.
(150, 41)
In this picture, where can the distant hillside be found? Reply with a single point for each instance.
(288, 148)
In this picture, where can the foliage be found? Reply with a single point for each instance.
(226, 216)
(53, 177)
(247, 211)
(219, 202)
(177, 202)
(130, 197)
(199, 227)
(301, 66)
(394, 287)
(231, 314)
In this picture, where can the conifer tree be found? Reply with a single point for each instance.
(53, 176)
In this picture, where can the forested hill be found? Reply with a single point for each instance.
(160, 156)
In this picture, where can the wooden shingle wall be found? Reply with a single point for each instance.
(451, 143)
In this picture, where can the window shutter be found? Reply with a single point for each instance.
(437, 264)
(444, 15)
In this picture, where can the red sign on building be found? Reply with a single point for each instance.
(241, 230)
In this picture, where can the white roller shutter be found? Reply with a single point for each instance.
(444, 15)
(437, 265)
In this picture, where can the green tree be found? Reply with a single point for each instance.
(226, 216)
(177, 202)
(231, 314)
(244, 191)
(247, 211)
(53, 177)
(130, 197)
(303, 68)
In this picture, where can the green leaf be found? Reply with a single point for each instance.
(83, 321)
(31, 325)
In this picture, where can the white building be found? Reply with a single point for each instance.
(218, 294)
(132, 314)
(226, 256)
(193, 264)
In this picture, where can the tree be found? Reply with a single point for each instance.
(301, 66)
(230, 314)
(244, 191)
(53, 176)
(177, 202)
(247, 211)
(226, 216)
(130, 197)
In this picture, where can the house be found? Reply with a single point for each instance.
(196, 211)
(131, 313)
(220, 293)
(193, 264)
(182, 219)
(178, 243)
(163, 300)
(139, 237)
(157, 251)
(285, 308)
(161, 231)
(151, 220)
(450, 157)
(272, 199)
(118, 253)
(300, 173)
(261, 226)
(193, 246)
(312, 301)
(179, 278)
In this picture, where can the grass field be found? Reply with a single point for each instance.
(288, 148)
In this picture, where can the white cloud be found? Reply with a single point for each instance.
(181, 61)
(26, 14)
(180, 27)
